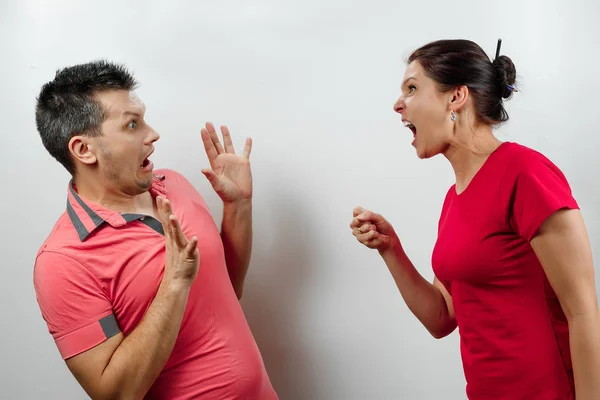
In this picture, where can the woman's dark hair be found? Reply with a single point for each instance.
(453, 63)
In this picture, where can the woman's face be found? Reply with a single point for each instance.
(426, 111)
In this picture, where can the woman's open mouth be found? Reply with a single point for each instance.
(410, 126)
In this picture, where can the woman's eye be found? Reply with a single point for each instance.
(132, 125)
(412, 88)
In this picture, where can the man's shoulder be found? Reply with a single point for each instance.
(175, 181)
(62, 231)
(57, 248)
(167, 172)
(171, 177)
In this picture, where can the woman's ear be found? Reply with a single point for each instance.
(459, 98)
(83, 149)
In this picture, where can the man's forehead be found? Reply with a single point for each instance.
(116, 102)
(135, 100)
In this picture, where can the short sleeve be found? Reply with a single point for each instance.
(72, 302)
(539, 189)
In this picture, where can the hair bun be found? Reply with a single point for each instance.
(506, 75)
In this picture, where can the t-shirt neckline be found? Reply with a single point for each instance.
(481, 170)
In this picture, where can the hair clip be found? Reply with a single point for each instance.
(498, 48)
(512, 88)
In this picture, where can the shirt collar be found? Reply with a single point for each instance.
(87, 216)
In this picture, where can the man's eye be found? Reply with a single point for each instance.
(132, 125)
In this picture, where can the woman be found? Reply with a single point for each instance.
(512, 262)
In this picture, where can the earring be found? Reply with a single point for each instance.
(452, 116)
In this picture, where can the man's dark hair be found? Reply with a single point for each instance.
(453, 63)
(66, 106)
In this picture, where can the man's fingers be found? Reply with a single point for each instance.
(178, 235)
(215, 139)
(209, 146)
(227, 140)
(159, 206)
(169, 221)
(191, 247)
(163, 214)
(211, 176)
(214, 180)
(248, 148)
(159, 209)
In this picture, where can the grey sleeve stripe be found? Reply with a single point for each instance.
(109, 326)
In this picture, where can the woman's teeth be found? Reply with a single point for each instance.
(411, 127)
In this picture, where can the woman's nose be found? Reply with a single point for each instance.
(399, 105)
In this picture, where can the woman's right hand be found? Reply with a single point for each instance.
(372, 230)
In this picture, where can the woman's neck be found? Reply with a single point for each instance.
(468, 153)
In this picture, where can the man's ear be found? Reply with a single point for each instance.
(83, 149)
(459, 97)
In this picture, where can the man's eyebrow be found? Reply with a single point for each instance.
(131, 113)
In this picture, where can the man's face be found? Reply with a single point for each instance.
(126, 143)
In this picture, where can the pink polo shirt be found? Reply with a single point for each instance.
(98, 272)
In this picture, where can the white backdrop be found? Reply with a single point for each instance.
(313, 82)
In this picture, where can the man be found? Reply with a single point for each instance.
(135, 283)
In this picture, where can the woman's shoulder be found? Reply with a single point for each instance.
(524, 160)
(530, 171)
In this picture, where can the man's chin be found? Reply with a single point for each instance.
(144, 184)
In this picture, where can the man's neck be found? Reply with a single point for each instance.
(110, 197)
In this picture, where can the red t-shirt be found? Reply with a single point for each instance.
(98, 272)
(514, 337)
